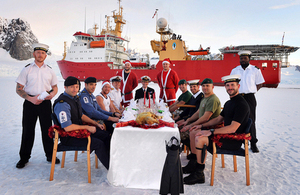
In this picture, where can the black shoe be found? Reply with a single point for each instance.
(21, 164)
(190, 167)
(191, 156)
(195, 177)
(254, 148)
(49, 159)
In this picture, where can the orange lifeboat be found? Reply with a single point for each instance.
(95, 44)
(198, 52)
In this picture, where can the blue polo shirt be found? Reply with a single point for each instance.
(91, 108)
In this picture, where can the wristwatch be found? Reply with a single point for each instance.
(212, 131)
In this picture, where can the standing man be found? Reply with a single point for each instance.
(128, 84)
(168, 83)
(235, 116)
(91, 108)
(36, 78)
(251, 81)
(144, 91)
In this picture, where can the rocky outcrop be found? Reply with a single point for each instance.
(17, 38)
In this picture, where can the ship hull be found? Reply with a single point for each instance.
(188, 70)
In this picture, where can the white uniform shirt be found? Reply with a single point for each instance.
(106, 102)
(250, 77)
(116, 97)
(37, 80)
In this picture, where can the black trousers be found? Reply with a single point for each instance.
(109, 127)
(251, 100)
(100, 143)
(30, 114)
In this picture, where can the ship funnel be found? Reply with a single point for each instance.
(161, 23)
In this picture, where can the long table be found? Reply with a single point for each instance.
(137, 156)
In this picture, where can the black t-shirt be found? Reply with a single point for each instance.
(125, 75)
(235, 109)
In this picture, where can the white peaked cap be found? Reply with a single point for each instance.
(40, 46)
(115, 78)
(244, 53)
(194, 82)
(231, 78)
(146, 78)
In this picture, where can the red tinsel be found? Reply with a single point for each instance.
(81, 133)
(216, 138)
(133, 123)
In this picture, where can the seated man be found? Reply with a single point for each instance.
(235, 116)
(115, 94)
(67, 109)
(92, 109)
(144, 91)
(183, 98)
(210, 107)
(103, 99)
(195, 100)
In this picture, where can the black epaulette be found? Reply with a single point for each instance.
(27, 65)
(61, 101)
(49, 66)
(256, 67)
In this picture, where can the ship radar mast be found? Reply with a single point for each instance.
(119, 21)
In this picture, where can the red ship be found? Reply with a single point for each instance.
(102, 56)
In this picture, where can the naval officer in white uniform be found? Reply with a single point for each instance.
(251, 81)
(37, 84)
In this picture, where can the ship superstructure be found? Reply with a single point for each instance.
(102, 56)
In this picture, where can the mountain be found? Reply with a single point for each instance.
(17, 38)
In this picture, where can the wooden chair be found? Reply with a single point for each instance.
(63, 148)
(240, 152)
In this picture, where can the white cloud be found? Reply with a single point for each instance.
(285, 5)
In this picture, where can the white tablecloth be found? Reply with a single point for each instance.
(137, 156)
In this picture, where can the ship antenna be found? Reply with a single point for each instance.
(282, 38)
(100, 24)
(85, 20)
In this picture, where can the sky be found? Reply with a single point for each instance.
(213, 24)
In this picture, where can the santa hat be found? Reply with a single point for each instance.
(104, 83)
(127, 61)
(167, 60)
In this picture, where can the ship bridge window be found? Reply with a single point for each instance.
(275, 65)
(264, 65)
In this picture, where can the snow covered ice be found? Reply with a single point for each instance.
(275, 170)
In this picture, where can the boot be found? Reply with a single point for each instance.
(191, 156)
(196, 177)
(190, 167)
(254, 148)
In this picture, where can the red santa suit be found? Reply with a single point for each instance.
(168, 83)
(127, 86)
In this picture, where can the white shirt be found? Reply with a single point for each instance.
(250, 77)
(196, 94)
(37, 80)
(116, 97)
(106, 102)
